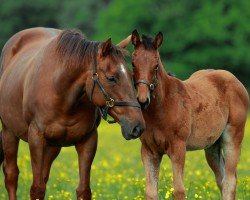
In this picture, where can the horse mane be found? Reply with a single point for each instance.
(148, 42)
(74, 48)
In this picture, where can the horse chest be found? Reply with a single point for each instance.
(158, 136)
(61, 134)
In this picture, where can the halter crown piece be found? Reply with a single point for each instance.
(110, 102)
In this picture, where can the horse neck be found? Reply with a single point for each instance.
(167, 87)
(162, 78)
(72, 73)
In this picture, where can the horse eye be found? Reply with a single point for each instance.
(111, 79)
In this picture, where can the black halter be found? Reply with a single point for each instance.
(151, 85)
(110, 102)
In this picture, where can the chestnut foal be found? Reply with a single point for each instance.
(207, 111)
(52, 84)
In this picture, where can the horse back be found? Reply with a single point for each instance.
(32, 38)
(221, 83)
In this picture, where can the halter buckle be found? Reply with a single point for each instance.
(95, 76)
(110, 103)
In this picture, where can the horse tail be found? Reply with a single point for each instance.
(1, 148)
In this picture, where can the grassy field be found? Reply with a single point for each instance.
(117, 172)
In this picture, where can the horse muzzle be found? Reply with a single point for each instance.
(131, 130)
(145, 103)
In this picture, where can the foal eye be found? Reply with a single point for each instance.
(111, 79)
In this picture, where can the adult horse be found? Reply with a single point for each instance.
(52, 82)
(207, 111)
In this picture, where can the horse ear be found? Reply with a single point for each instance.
(106, 47)
(158, 40)
(124, 43)
(135, 38)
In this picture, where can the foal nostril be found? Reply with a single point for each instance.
(145, 104)
(137, 131)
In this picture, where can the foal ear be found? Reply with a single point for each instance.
(124, 43)
(158, 40)
(106, 47)
(135, 38)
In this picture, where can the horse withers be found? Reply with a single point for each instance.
(53, 85)
(207, 111)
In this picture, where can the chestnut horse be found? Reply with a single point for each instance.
(207, 111)
(52, 83)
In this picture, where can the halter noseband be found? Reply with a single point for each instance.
(151, 85)
(110, 102)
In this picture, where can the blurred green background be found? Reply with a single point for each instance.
(198, 34)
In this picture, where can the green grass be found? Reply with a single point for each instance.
(117, 172)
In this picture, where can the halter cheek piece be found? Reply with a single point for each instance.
(151, 85)
(110, 102)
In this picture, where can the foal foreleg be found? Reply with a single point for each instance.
(151, 162)
(11, 171)
(86, 152)
(37, 145)
(177, 155)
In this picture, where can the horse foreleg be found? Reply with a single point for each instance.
(11, 171)
(151, 164)
(50, 154)
(216, 162)
(86, 153)
(231, 143)
(37, 146)
(177, 156)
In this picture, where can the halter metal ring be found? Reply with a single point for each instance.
(110, 103)
(152, 86)
(95, 76)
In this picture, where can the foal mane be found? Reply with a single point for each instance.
(74, 48)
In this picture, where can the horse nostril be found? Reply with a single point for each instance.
(137, 131)
(145, 104)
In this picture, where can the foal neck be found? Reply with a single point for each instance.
(167, 87)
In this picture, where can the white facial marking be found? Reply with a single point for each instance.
(123, 68)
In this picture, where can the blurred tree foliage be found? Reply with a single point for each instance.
(81, 14)
(21, 14)
(198, 34)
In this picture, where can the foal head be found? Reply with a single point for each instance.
(145, 61)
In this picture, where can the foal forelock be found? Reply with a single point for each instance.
(75, 49)
(148, 42)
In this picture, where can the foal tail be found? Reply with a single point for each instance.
(1, 148)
